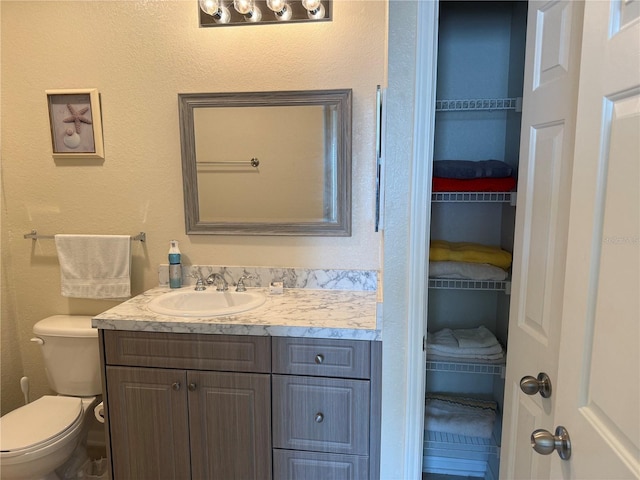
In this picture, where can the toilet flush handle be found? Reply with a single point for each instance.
(38, 340)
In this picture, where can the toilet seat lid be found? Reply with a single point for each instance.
(38, 422)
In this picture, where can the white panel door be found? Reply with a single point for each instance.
(598, 388)
(546, 155)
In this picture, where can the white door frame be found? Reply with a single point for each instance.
(420, 219)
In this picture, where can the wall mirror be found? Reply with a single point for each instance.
(267, 163)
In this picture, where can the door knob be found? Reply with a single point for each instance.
(176, 386)
(531, 385)
(544, 442)
(192, 387)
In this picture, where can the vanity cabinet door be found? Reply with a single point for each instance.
(230, 420)
(149, 423)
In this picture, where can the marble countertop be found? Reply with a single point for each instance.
(298, 312)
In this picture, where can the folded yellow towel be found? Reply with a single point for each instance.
(443, 251)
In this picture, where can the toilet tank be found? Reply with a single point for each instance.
(71, 354)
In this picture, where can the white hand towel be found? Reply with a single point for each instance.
(95, 266)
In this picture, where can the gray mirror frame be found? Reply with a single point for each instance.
(341, 98)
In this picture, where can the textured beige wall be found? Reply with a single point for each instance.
(140, 55)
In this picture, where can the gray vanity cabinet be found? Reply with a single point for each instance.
(185, 406)
(225, 407)
(325, 402)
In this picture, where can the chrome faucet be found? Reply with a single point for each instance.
(223, 286)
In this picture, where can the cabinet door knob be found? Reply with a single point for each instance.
(176, 386)
(319, 358)
(319, 417)
(192, 387)
(531, 385)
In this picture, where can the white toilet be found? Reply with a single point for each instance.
(41, 436)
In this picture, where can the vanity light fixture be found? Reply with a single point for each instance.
(246, 12)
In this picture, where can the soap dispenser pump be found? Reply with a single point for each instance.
(175, 267)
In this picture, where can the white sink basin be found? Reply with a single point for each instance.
(187, 302)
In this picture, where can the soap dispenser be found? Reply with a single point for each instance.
(175, 267)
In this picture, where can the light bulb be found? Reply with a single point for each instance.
(317, 13)
(254, 15)
(210, 7)
(223, 15)
(311, 4)
(243, 6)
(276, 5)
(284, 14)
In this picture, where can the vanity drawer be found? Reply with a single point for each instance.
(234, 353)
(322, 357)
(321, 414)
(294, 465)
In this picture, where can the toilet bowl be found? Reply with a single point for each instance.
(41, 436)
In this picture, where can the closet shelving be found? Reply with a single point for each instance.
(478, 115)
(448, 441)
(479, 104)
(473, 449)
(478, 368)
(457, 284)
(473, 197)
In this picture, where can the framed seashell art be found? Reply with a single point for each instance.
(76, 123)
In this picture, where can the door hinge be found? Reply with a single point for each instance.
(424, 343)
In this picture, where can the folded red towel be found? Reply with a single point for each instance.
(505, 184)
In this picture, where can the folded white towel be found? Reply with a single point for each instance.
(445, 342)
(460, 416)
(464, 356)
(95, 266)
(477, 359)
(466, 271)
(475, 337)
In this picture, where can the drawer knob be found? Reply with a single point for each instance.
(319, 417)
(176, 386)
(192, 387)
(319, 358)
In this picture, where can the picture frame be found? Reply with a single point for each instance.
(76, 123)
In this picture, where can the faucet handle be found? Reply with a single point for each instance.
(240, 287)
(200, 285)
(199, 281)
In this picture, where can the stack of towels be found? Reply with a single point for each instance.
(472, 176)
(464, 260)
(465, 344)
(459, 415)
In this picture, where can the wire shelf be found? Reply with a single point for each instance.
(468, 197)
(457, 284)
(479, 104)
(437, 365)
(450, 441)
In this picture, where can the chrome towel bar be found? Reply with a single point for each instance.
(34, 235)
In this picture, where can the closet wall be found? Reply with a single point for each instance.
(480, 57)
